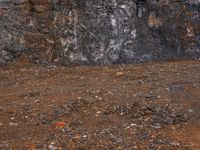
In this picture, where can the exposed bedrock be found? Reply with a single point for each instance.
(96, 32)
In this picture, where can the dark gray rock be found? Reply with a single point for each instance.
(99, 31)
(5, 56)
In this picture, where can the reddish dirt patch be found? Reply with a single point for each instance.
(148, 106)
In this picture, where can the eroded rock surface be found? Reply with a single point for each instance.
(99, 31)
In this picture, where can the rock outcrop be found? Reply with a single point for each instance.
(96, 32)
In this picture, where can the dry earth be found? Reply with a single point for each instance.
(149, 106)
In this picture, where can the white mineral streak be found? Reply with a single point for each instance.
(71, 40)
(76, 57)
(113, 21)
(127, 9)
(133, 33)
(98, 55)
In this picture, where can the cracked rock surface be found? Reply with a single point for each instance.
(96, 32)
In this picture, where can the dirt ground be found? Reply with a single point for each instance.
(142, 107)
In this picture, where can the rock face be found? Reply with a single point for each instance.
(96, 32)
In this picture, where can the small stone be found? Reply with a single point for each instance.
(141, 82)
(135, 147)
(37, 101)
(158, 96)
(84, 136)
(13, 124)
(190, 110)
(111, 93)
(157, 126)
(98, 112)
(133, 124)
(175, 144)
(77, 137)
(99, 98)
(79, 98)
(52, 146)
(119, 74)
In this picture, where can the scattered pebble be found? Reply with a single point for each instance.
(98, 113)
(99, 98)
(13, 124)
(129, 115)
(52, 146)
(119, 74)
(190, 110)
(175, 144)
(79, 98)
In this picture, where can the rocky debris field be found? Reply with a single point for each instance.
(149, 106)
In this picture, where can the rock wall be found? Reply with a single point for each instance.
(96, 32)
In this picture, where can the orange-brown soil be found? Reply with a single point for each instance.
(149, 106)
